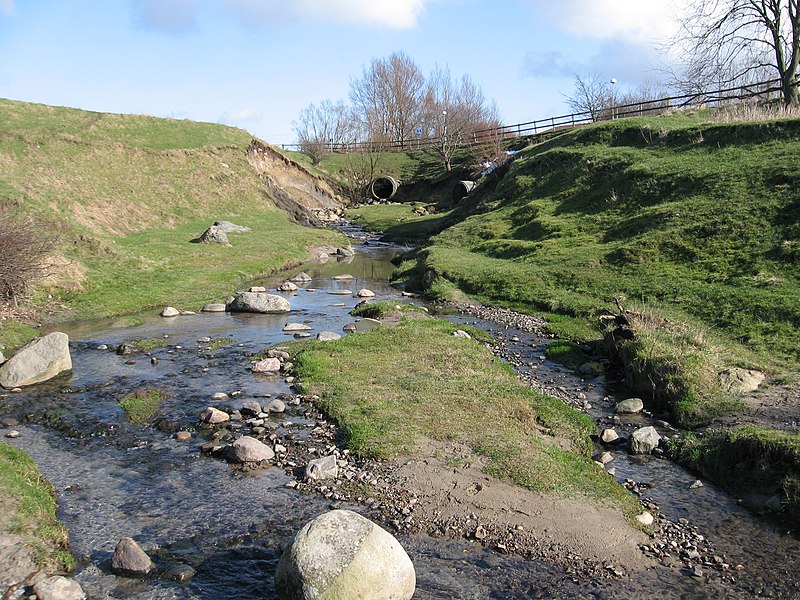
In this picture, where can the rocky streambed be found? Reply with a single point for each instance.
(216, 524)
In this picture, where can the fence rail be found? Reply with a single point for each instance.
(714, 98)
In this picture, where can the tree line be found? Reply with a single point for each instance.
(392, 101)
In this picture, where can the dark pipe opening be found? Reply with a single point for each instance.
(384, 188)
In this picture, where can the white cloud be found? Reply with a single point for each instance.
(635, 20)
(390, 14)
(242, 115)
(7, 7)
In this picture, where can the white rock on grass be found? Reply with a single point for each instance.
(645, 519)
(342, 555)
(37, 361)
(130, 559)
(169, 311)
(266, 365)
(328, 336)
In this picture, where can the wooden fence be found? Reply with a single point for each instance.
(714, 98)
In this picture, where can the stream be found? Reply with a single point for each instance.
(116, 479)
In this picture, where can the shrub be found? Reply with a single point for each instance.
(24, 246)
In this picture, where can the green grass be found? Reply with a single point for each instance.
(142, 406)
(29, 509)
(693, 223)
(747, 459)
(392, 387)
(126, 194)
(566, 353)
(398, 222)
(381, 308)
(14, 334)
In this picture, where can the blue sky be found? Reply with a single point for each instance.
(256, 63)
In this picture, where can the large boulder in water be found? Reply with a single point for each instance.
(39, 360)
(130, 559)
(259, 302)
(341, 555)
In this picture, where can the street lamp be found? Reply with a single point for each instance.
(613, 95)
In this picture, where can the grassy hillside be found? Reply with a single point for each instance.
(127, 193)
(691, 226)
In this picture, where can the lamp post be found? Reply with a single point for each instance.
(613, 96)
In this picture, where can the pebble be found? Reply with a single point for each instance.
(13, 434)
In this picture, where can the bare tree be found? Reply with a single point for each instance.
(324, 128)
(24, 247)
(730, 42)
(594, 95)
(388, 98)
(455, 112)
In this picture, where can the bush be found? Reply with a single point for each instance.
(23, 248)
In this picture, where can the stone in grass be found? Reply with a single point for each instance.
(644, 440)
(248, 449)
(58, 588)
(630, 406)
(267, 365)
(367, 324)
(229, 227)
(645, 519)
(328, 336)
(342, 555)
(169, 311)
(212, 235)
(130, 559)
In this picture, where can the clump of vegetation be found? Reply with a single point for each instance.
(391, 387)
(149, 344)
(566, 353)
(381, 308)
(29, 503)
(218, 343)
(143, 405)
(746, 460)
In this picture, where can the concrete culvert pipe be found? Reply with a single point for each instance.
(461, 189)
(384, 187)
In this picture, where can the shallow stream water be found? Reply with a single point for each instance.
(116, 479)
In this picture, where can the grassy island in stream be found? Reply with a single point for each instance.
(392, 388)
